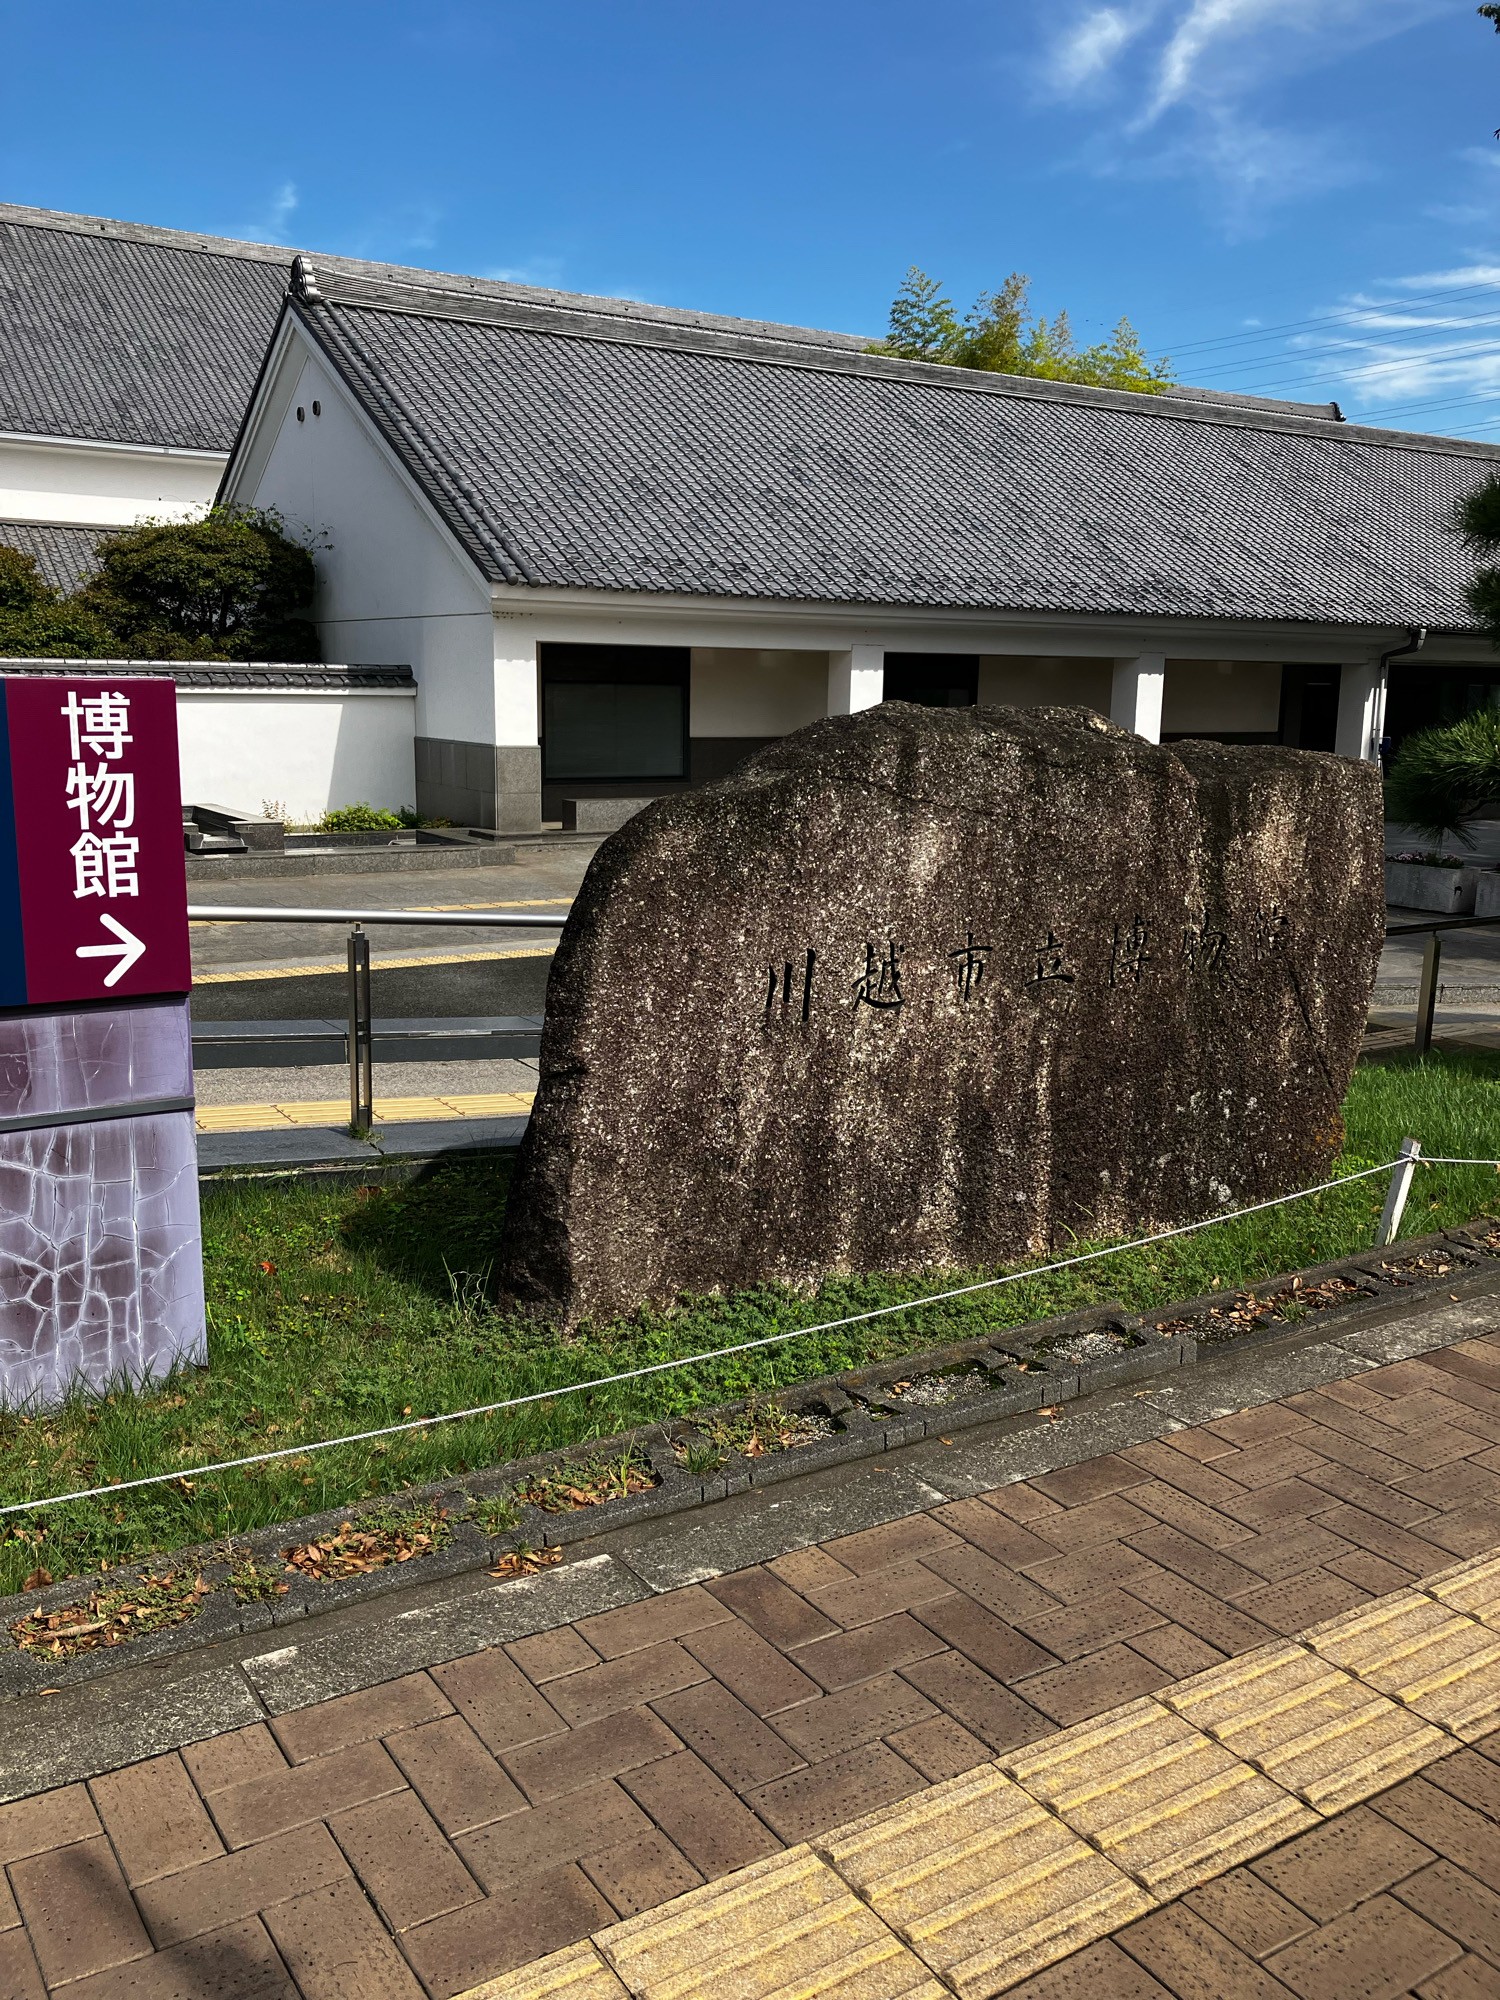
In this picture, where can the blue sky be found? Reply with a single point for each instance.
(1221, 170)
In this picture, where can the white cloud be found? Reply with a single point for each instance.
(1087, 50)
(542, 271)
(271, 224)
(1200, 32)
(1420, 350)
(1191, 80)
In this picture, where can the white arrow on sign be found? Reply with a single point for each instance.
(128, 950)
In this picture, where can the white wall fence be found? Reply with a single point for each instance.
(304, 738)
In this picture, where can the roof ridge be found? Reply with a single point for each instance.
(336, 289)
(413, 277)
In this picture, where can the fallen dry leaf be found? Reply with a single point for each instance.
(526, 1562)
(38, 1580)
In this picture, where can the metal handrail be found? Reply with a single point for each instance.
(1432, 963)
(1439, 924)
(499, 920)
(361, 1022)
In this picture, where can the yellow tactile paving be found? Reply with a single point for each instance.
(518, 903)
(1311, 1728)
(1444, 1666)
(985, 1884)
(783, 1929)
(578, 1973)
(1470, 1587)
(389, 961)
(1160, 1798)
(388, 1111)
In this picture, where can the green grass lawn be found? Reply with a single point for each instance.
(334, 1309)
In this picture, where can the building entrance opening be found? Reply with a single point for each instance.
(1309, 707)
(614, 717)
(933, 680)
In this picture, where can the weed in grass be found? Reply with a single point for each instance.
(588, 1482)
(764, 1426)
(496, 1515)
(700, 1459)
(252, 1584)
(108, 1617)
(373, 1306)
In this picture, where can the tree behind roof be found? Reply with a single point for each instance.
(38, 623)
(1000, 334)
(232, 586)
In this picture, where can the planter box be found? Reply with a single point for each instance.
(1486, 891)
(1413, 885)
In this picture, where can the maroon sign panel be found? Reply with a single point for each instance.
(98, 855)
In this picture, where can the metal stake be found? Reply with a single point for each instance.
(361, 1037)
(1400, 1188)
(1432, 959)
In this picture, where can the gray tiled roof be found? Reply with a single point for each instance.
(565, 450)
(246, 675)
(64, 553)
(135, 335)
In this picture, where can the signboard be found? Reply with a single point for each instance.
(93, 887)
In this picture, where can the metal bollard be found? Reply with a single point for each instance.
(1432, 959)
(361, 1037)
(1400, 1188)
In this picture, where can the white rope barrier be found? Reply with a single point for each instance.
(684, 1361)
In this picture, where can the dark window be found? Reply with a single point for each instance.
(1310, 707)
(1422, 696)
(935, 680)
(614, 712)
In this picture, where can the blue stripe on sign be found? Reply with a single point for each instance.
(12, 936)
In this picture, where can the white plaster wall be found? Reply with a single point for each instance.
(392, 589)
(743, 691)
(1007, 681)
(1222, 696)
(103, 486)
(307, 752)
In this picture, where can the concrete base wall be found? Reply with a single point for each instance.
(480, 784)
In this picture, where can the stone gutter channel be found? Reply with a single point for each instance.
(884, 1442)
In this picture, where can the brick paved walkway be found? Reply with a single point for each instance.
(1400, 1897)
(442, 1828)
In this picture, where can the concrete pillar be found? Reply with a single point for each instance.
(856, 679)
(1361, 721)
(478, 751)
(518, 731)
(1135, 694)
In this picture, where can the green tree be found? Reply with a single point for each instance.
(923, 324)
(1441, 779)
(37, 623)
(233, 586)
(1477, 518)
(1001, 334)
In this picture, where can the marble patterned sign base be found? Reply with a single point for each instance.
(101, 1266)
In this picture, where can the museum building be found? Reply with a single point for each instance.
(588, 547)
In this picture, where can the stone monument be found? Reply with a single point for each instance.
(931, 987)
